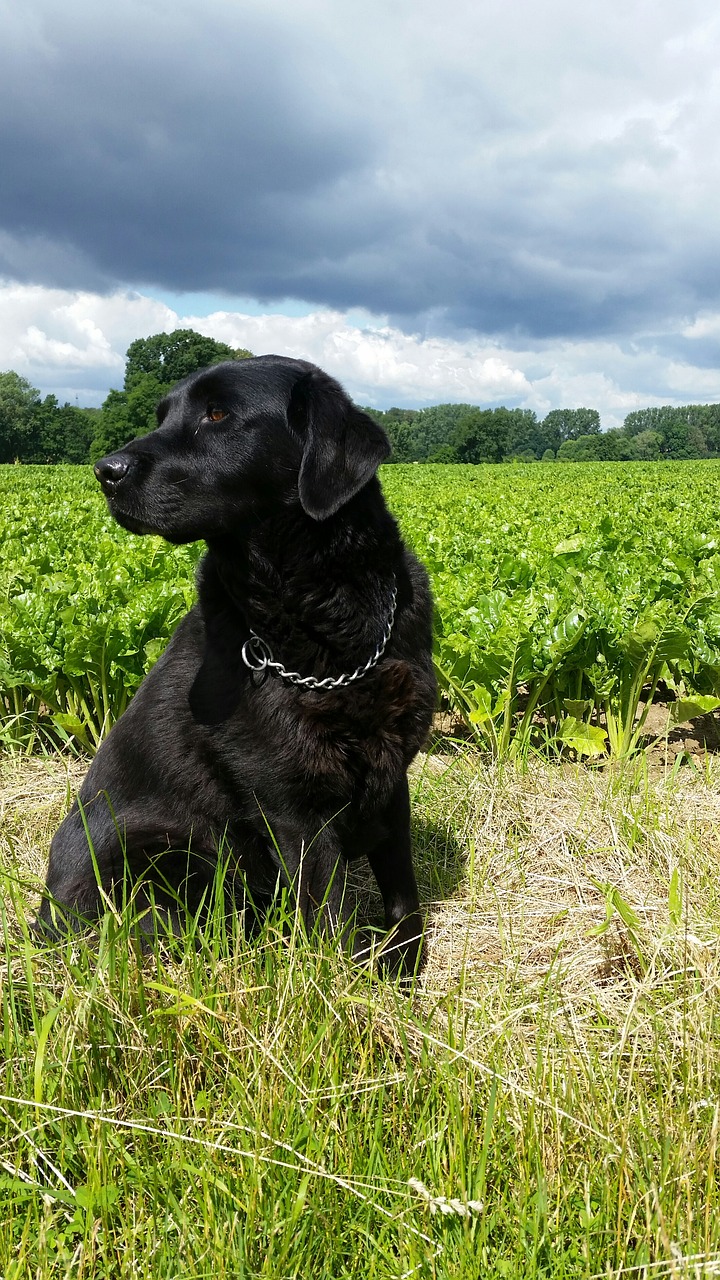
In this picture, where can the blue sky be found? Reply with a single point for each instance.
(468, 201)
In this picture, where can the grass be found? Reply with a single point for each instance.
(545, 1102)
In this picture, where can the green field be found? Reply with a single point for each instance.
(544, 1102)
(566, 596)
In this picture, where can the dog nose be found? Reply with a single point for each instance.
(110, 471)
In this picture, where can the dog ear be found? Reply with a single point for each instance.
(343, 447)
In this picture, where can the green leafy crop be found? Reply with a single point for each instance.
(565, 598)
(85, 609)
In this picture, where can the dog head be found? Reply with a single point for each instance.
(235, 441)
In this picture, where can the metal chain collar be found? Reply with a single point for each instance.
(257, 655)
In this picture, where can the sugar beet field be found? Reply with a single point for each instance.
(544, 1101)
(566, 596)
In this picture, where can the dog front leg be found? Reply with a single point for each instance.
(391, 863)
(314, 868)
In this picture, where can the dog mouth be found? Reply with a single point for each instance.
(128, 521)
(159, 526)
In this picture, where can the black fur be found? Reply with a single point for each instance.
(302, 550)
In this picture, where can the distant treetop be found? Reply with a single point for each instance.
(168, 357)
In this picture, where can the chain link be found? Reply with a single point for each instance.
(258, 656)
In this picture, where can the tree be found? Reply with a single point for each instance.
(646, 446)
(568, 452)
(522, 434)
(112, 430)
(49, 433)
(588, 448)
(418, 435)
(18, 405)
(480, 437)
(490, 435)
(435, 426)
(445, 453)
(707, 418)
(568, 424)
(612, 446)
(403, 443)
(587, 422)
(650, 419)
(396, 422)
(77, 428)
(684, 431)
(142, 399)
(168, 357)
(682, 439)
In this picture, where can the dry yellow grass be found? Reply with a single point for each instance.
(557, 1062)
(515, 865)
(535, 844)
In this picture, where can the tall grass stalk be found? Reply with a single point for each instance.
(543, 1102)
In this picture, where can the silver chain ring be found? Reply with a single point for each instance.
(257, 655)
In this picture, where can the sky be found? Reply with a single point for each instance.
(461, 201)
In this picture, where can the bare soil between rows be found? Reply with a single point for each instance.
(661, 743)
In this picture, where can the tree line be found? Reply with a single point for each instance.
(465, 433)
(41, 430)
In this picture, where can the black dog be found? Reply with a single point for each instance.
(281, 719)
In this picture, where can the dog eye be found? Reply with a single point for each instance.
(215, 414)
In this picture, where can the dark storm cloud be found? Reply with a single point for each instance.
(162, 153)
(159, 154)
(276, 151)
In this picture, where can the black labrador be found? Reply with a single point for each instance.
(280, 721)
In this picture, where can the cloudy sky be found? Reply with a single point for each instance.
(470, 200)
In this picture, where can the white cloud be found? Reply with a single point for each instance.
(706, 325)
(73, 344)
(375, 359)
(700, 385)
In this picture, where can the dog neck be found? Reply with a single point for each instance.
(318, 592)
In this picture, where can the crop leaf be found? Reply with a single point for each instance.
(585, 739)
(685, 709)
(577, 707)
